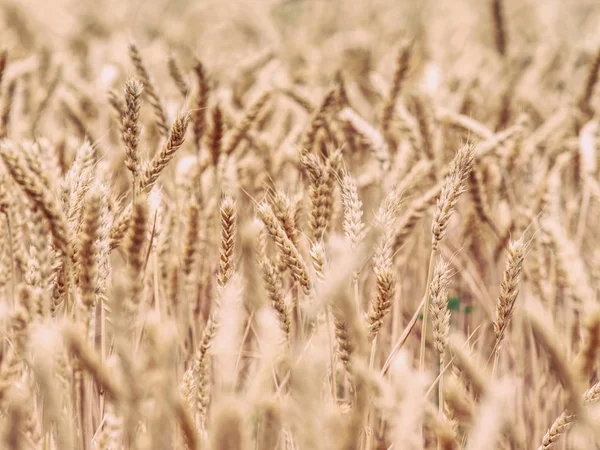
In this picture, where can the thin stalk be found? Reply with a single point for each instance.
(81, 397)
(355, 289)
(12, 259)
(402, 339)
(441, 395)
(102, 352)
(496, 358)
(133, 190)
(331, 357)
(432, 257)
(369, 436)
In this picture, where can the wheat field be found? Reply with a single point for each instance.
(299, 225)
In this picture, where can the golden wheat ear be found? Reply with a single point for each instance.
(150, 89)
(200, 104)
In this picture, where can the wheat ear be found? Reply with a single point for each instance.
(497, 7)
(130, 127)
(287, 248)
(200, 104)
(150, 89)
(509, 289)
(228, 234)
(39, 195)
(389, 105)
(454, 185)
(177, 77)
(166, 154)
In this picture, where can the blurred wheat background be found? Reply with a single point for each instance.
(299, 225)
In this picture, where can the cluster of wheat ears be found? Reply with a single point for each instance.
(280, 256)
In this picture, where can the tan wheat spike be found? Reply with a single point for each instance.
(201, 104)
(547, 337)
(282, 208)
(402, 66)
(320, 193)
(191, 246)
(130, 126)
(460, 168)
(473, 372)
(149, 88)
(215, 137)
(117, 104)
(317, 121)
(491, 417)
(92, 362)
(588, 88)
(385, 219)
(200, 368)
(587, 359)
(43, 105)
(454, 185)
(7, 106)
(369, 134)
(178, 77)
(39, 195)
(415, 213)
(228, 235)
(497, 7)
(353, 212)
(440, 314)
(288, 250)
(166, 154)
(480, 200)
(3, 60)
(242, 128)
(74, 114)
(509, 288)
(273, 287)
(134, 248)
(424, 122)
(228, 426)
(566, 420)
(304, 102)
(88, 252)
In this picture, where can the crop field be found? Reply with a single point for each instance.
(299, 225)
